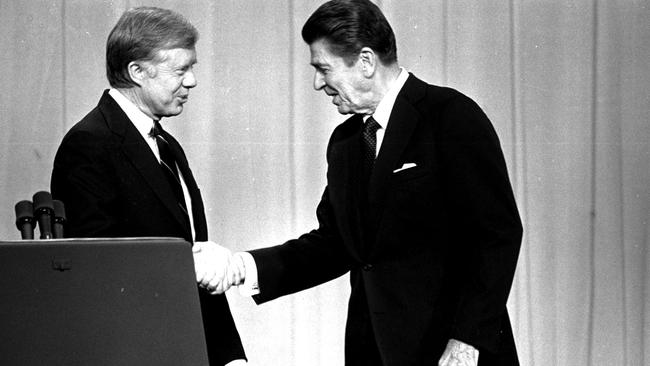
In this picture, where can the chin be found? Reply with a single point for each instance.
(344, 110)
(176, 111)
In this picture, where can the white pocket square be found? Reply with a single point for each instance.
(404, 167)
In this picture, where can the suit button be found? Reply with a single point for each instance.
(367, 267)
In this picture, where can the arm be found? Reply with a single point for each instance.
(484, 211)
(312, 259)
(83, 179)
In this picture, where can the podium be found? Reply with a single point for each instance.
(121, 302)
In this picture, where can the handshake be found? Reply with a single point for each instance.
(217, 268)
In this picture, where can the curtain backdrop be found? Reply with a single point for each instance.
(566, 84)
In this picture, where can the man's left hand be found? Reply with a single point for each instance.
(458, 353)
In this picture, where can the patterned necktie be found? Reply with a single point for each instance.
(168, 165)
(369, 135)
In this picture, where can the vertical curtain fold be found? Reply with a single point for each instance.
(566, 85)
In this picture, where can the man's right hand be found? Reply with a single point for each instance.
(217, 269)
(211, 265)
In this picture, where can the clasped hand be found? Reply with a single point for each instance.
(217, 268)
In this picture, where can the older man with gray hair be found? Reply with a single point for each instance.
(121, 175)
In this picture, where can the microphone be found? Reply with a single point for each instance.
(44, 210)
(25, 219)
(59, 219)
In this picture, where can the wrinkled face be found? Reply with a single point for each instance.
(345, 84)
(167, 82)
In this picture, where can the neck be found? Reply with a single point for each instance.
(133, 95)
(384, 78)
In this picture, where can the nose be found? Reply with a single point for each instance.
(319, 80)
(189, 80)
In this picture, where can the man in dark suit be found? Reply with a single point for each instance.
(418, 208)
(120, 175)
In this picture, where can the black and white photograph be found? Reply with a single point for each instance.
(325, 182)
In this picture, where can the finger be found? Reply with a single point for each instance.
(231, 272)
(212, 280)
(236, 270)
(219, 289)
(215, 282)
(199, 267)
(215, 288)
(198, 246)
(200, 274)
(444, 359)
(241, 269)
(201, 271)
(236, 276)
(206, 278)
(225, 286)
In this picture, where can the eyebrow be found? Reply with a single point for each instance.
(187, 64)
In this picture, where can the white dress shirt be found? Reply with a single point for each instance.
(385, 107)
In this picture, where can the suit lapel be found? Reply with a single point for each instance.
(141, 156)
(402, 122)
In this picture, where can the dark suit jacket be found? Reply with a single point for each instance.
(112, 186)
(431, 250)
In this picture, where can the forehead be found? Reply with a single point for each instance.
(176, 56)
(321, 55)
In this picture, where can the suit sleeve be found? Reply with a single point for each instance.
(84, 180)
(486, 219)
(312, 259)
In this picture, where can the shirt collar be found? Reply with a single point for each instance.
(385, 107)
(141, 121)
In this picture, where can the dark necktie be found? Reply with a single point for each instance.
(168, 165)
(369, 135)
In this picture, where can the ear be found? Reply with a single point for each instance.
(368, 61)
(137, 72)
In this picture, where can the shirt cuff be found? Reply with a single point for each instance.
(250, 286)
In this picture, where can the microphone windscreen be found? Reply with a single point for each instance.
(24, 210)
(59, 210)
(43, 201)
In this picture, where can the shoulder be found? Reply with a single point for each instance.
(89, 135)
(343, 134)
(103, 121)
(447, 107)
(347, 128)
(434, 98)
(89, 130)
